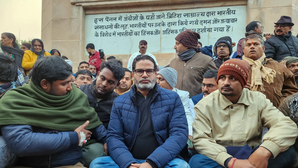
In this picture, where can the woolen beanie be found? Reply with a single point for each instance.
(227, 43)
(170, 75)
(227, 40)
(188, 38)
(237, 68)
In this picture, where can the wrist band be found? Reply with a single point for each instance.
(233, 162)
(83, 139)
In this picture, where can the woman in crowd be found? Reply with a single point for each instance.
(55, 52)
(11, 48)
(31, 56)
(26, 46)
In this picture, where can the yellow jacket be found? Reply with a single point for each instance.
(220, 123)
(29, 59)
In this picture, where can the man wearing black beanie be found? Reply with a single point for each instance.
(223, 49)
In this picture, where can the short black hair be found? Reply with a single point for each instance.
(83, 62)
(111, 58)
(115, 66)
(143, 57)
(30, 74)
(90, 45)
(252, 25)
(64, 57)
(127, 70)
(8, 69)
(28, 45)
(84, 71)
(53, 51)
(200, 43)
(143, 42)
(50, 68)
(101, 54)
(211, 74)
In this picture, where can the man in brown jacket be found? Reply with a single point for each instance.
(190, 64)
(266, 75)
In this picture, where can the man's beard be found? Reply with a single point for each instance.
(53, 92)
(145, 86)
(100, 94)
(295, 73)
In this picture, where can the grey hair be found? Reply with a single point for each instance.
(255, 36)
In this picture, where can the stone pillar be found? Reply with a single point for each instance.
(63, 29)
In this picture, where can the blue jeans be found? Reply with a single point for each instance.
(5, 154)
(283, 160)
(107, 161)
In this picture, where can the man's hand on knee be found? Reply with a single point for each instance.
(260, 157)
(240, 163)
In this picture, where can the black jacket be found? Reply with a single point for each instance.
(103, 107)
(16, 54)
(278, 47)
(219, 61)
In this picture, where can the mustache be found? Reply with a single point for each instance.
(295, 71)
(206, 92)
(122, 83)
(145, 79)
(227, 87)
(278, 30)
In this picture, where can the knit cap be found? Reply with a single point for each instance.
(237, 68)
(188, 38)
(227, 40)
(170, 75)
(290, 60)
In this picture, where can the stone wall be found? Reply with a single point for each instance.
(63, 20)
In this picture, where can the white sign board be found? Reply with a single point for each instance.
(120, 33)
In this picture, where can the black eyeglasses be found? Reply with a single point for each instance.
(140, 72)
(208, 85)
(223, 45)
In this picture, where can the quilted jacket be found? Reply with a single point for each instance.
(168, 119)
(278, 47)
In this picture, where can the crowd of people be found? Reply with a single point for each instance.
(210, 107)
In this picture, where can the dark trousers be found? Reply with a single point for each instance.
(283, 160)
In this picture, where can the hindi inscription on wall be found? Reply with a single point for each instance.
(120, 33)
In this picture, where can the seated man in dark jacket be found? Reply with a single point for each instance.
(101, 93)
(282, 44)
(148, 127)
(42, 121)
